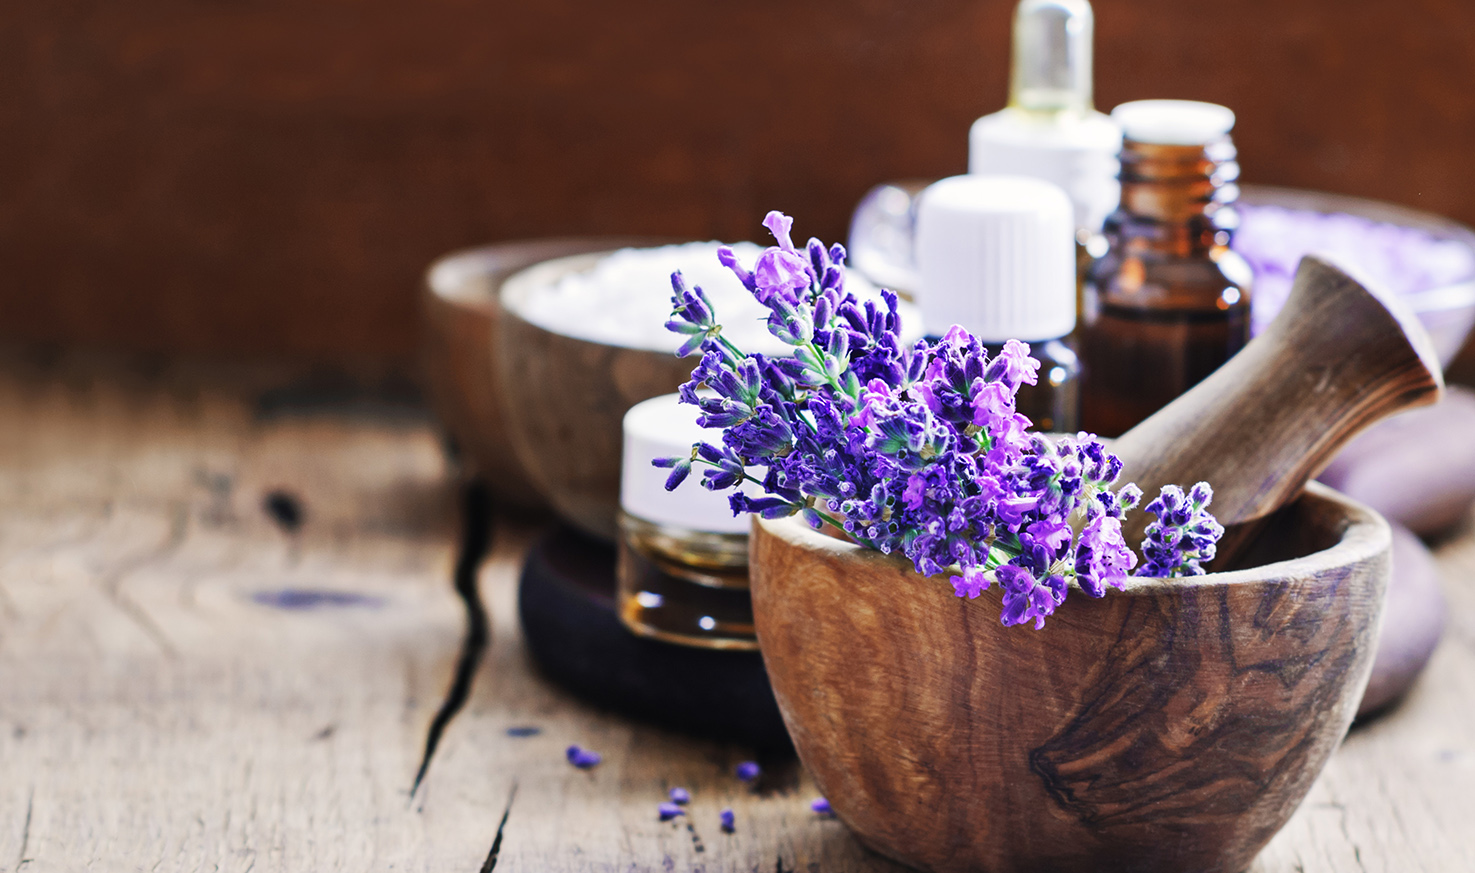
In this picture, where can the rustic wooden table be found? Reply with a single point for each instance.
(229, 628)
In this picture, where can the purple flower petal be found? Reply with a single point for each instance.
(668, 811)
(680, 796)
(821, 806)
(747, 771)
(728, 821)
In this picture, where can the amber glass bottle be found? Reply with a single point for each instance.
(1168, 302)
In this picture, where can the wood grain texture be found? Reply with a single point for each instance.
(286, 739)
(460, 311)
(186, 683)
(1174, 726)
(1337, 358)
(272, 177)
(564, 401)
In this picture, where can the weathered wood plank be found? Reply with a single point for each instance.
(562, 819)
(185, 684)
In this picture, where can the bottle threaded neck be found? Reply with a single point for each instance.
(1175, 183)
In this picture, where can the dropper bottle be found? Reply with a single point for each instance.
(1051, 129)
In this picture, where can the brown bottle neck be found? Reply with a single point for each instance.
(1177, 198)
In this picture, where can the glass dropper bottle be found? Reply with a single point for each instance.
(1051, 129)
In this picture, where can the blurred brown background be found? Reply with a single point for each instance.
(270, 178)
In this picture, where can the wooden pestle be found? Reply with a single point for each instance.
(1337, 358)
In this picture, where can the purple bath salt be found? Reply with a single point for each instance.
(1405, 260)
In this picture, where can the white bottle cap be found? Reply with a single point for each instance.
(663, 427)
(997, 256)
(1079, 155)
(1174, 122)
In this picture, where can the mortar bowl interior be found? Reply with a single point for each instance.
(1172, 726)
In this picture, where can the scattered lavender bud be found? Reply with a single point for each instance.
(584, 759)
(524, 731)
(728, 820)
(747, 771)
(821, 806)
(669, 811)
(680, 796)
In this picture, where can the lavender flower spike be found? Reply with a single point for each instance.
(1184, 537)
(916, 449)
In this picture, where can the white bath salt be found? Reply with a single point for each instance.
(625, 299)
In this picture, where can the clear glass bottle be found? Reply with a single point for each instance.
(682, 565)
(1051, 130)
(1168, 302)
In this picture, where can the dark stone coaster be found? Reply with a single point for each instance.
(567, 606)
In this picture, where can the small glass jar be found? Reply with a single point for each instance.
(685, 586)
(683, 556)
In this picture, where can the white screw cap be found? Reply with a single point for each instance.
(997, 255)
(663, 427)
(1174, 122)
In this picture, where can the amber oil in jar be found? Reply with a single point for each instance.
(682, 565)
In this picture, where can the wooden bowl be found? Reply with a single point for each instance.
(1171, 727)
(564, 401)
(460, 314)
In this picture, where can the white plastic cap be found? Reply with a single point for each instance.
(663, 427)
(1174, 122)
(997, 255)
(1077, 153)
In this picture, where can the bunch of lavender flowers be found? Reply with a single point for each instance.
(912, 448)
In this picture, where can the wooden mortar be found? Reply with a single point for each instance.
(1171, 727)
(564, 401)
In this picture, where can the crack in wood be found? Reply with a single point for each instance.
(25, 834)
(476, 538)
(490, 863)
(111, 582)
